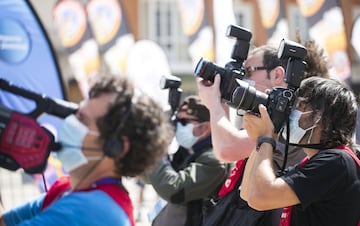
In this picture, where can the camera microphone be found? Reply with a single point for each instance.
(44, 104)
(59, 108)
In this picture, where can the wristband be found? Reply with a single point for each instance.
(269, 140)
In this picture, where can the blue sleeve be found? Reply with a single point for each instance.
(81, 208)
(24, 212)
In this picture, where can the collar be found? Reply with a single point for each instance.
(205, 143)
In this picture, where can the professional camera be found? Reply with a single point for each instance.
(280, 100)
(172, 83)
(23, 142)
(234, 69)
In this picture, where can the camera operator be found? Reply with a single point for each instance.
(324, 189)
(114, 134)
(266, 70)
(193, 174)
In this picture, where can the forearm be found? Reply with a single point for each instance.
(261, 177)
(163, 179)
(244, 189)
(230, 144)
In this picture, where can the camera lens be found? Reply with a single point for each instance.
(247, 98)
(205, 69)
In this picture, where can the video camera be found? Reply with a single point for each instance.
(234, 69)
(23, 142)
(280, 100)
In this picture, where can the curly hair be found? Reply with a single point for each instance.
(139, 119)
(317, 64)
(337, 105)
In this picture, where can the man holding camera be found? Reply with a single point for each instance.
(193, 174)
(264, 70)
(324, 189)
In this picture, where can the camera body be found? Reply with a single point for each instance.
(172, 83)
(280, 100)
(23, 142)
(233, 70)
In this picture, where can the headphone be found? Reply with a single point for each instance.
(114, 146)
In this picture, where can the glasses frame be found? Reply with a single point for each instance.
(250, 69)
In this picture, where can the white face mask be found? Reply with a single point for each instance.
(296, 132)
(71, 136)
(184, 135)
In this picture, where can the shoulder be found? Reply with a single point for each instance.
(95, 201)
(208, 156)
(334, 156)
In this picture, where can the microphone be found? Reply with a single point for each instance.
(44, 104)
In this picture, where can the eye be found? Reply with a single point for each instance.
(184, 121)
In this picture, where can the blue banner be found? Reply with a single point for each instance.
(27, 59)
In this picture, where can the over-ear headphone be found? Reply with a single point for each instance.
(114, 146)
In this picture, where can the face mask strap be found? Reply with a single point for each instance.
(312, 129)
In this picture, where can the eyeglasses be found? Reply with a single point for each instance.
(250, 69)
(184, 121)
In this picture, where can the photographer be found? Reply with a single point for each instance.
(114, 134)
(193, 174)
(324, 189)
(266, 70)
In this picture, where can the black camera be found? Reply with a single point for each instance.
(172, 83)
(280, 100)
(234, 69)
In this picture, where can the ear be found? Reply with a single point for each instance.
(204, 129)
(126, 147)
(279, 75)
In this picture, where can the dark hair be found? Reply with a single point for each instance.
(138, 118)
(315, 59)
(270, 59)
(337, 105)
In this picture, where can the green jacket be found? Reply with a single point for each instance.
(199, 180)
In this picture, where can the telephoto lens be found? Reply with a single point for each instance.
(247, 98)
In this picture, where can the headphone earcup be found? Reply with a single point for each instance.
(113, 147)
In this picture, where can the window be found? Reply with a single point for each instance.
(159, 21)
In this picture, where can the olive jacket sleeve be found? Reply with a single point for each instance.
(199, 180)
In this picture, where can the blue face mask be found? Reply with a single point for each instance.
(71, 136)
(184, 135)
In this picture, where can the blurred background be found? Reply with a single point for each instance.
(189, 29)
(146, 39)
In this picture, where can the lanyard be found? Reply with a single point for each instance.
(107, 180)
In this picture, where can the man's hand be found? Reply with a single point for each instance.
(258, 125)
(209, 93)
